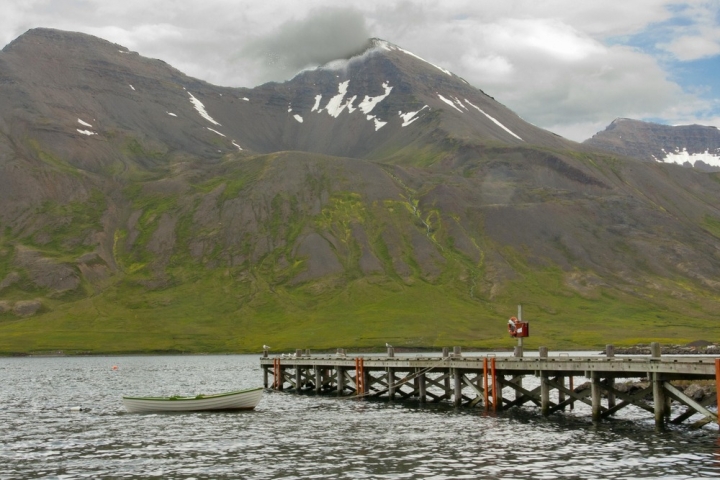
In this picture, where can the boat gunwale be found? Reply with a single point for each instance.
(196, 398)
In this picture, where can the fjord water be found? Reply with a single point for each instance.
(305, 436)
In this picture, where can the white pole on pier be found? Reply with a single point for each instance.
(519, 350)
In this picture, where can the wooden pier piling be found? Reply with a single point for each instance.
(494, 383)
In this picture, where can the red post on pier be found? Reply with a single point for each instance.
(359, 376)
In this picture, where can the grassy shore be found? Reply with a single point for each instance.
(216, 315)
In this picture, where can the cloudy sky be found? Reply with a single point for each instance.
(565, 65)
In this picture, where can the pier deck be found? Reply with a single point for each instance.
(496, 382)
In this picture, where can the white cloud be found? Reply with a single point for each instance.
(545, 37)
(692, 48)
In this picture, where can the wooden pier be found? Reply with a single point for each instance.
(495, 383)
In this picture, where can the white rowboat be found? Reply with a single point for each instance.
(241, 400)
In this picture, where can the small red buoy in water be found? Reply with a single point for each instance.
(114, 367)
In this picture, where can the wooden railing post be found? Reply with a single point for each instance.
(655, 350)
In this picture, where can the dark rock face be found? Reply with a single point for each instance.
(689, 145)
(26, 308)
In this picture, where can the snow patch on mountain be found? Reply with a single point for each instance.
(457, 100)
(222, 135)
(84, 123)
(410, 117)
(86, 132)
(317, 104)
(681, 157)
(171, 114)
(449, 102)
(238, 146)
(133, 88)
(335, 106)
(368, 103)
(298, 118)
(349, 104)
(201, 109)
(378, 123)
(494, 120)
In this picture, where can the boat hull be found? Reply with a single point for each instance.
(242, 400)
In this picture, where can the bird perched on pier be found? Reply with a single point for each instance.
(265, 347)
(388, 345)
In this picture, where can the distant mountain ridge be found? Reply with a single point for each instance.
(378, 197)
(689, 145)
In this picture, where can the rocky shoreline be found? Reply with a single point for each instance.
(694, 348)
(698, 391)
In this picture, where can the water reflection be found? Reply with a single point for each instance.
(302, 436)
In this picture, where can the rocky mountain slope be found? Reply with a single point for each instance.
(379, 197)
(688, 145)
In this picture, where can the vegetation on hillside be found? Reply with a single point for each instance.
(417, 269)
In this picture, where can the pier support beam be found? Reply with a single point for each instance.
(717, 383)
(544, 394)
(422, 396)
(610, 381)
(595, 394)
(544, 385)
(493, 374)
(340, 380)
(318, 379)
(447, 391)
(457, 400)
(266, 375)
(561, 393)
(391, 383)
(659, 401)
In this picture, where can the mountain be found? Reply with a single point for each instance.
(377, 198)
(689, 145)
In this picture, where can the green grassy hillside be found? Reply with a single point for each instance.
(233, 257)
(216, 313)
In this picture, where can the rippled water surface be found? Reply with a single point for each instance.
(301, 436)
